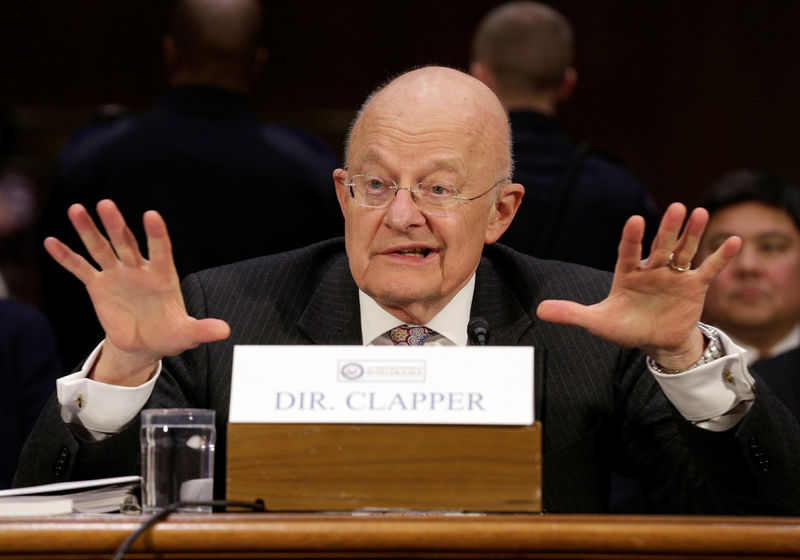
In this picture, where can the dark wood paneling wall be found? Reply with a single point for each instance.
(681, 91)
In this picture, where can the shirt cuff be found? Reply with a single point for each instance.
(710, 395)
(100, 407)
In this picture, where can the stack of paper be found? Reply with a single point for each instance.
(102, 495)
(14, 506)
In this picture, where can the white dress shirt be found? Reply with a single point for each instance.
(450, 323)
(714, 396)
(789, 342)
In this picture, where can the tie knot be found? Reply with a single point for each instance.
(410, 335)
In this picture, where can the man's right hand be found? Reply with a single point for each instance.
(138, 301)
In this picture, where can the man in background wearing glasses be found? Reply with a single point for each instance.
(425, 196)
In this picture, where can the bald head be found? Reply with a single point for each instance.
(436, 96)
(214, 41)
(527, 45)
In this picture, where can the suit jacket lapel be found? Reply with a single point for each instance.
(333, 315)
(493, 300)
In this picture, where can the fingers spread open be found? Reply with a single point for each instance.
(159, 245)
(667, 236)
(629, 251)
(720, 258)
(209, 330)
(687, 244)
(95, 242)
(562, 311)
(70, 260)
(120, 235)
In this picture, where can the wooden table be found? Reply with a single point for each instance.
(245, 535)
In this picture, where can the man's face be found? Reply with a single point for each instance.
(760, 289)
(410, 262)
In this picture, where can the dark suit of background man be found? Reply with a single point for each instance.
(28, 368)
(201, 158)
(425, 195)
(576, 202)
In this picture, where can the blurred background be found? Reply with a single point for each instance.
(678, 91)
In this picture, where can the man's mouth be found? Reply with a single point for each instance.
(419, 252)
(749, 293)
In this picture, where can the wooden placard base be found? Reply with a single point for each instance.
(348, 467)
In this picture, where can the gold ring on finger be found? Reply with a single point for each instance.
(678, 268)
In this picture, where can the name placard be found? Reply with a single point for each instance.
(383, 385)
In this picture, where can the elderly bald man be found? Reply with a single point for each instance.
(631, 379)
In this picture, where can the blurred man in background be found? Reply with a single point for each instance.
(757, 298)
(199, 156)
(576, 200)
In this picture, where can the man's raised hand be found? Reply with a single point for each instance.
(138, 301)
(655, 303)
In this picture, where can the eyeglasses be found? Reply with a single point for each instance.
(436, 199)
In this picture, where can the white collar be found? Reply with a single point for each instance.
(451, 322)
(789, 342)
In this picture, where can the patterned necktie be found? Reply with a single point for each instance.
(409, 335)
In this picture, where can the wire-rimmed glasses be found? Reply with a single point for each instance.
(434, 198)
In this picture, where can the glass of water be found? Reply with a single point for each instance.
(177, 458)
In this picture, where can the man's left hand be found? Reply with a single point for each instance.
(654, 304)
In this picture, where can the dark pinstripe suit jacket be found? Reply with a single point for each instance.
(601, 407)
(782, 374)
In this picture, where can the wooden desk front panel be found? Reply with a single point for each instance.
(490, 536)
(345, 467)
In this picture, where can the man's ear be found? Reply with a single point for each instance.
(484, 73)
(567, 86)
(505, 208)
(342, 190)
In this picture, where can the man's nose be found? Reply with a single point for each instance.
(403, 211)
(748, 259)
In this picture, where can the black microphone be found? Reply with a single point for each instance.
(478, 329)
